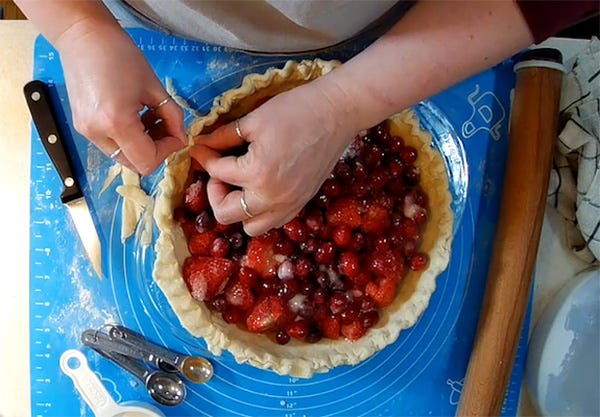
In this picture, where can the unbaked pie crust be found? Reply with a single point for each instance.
(297, 358)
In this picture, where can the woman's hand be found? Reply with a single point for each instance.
(294, 141)
(109, 82)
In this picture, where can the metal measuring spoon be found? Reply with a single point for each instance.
(75, 365)
(165, 388)
(195, 368)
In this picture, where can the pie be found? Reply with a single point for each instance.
(333, 286)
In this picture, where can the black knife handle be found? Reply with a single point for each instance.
(42, 113)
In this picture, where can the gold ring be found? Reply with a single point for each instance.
(116, 153)
(238, 131)
(244, 205)
(161, 103)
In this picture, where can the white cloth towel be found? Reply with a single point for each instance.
(575, 180)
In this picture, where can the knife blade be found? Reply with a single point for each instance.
(42, 113)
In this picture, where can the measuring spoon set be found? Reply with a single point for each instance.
(159, 369)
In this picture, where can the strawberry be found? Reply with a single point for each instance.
(382, 292)
(260, 256)
(344, 211)
(238, 294)
(268, 314)
(195, 198)
(330, 326)
(206, 277)
(376, 219)
(353, 331)
(200, 243)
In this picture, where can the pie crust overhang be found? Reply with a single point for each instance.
(298, 359)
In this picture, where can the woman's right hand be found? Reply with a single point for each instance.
(109, 83)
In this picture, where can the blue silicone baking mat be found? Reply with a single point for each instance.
(421, 374)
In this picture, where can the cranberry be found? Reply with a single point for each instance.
(358, 241)
(417, 261)
(204, 222)
(281, 337)
(321, 200)
(343, 172)
(218, 303)
(372, 156)
(314, 335)
(326, 232)
(307, 288)
(303, 267)
(338, 303)
(236, 240)
(360, 172)
(408, 155)
(297, 329)
(396, 144)
(266, 287)
(409, 228)
(360, 189)
(361, 279)
(237, 255)
(382, 133)
(325, 253)
(287, 289)
(180, 215)
(395, 167)
(296, 230)
(382, 243)
(350, 314)
(314, 221)
(420, 217)
(395, 186)
(420, 196)
(331, 188)
(367, 304)
(342, 236)
(408, 247)
(310, 246)
(380, 177)
(411, 175)
(320, 296)
(232, 315)
(349, 264)
(285, 247)
(369, 318)
(219, 248)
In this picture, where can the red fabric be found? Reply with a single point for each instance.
(546, 18)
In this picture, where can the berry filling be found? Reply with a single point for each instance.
(329, 271)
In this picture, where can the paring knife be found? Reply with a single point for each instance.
(40, 107)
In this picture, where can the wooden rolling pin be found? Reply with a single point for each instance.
(533, 132)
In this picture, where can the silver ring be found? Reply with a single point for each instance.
(116, 153)
(161, 103)
(238, 131)
(244, 205)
